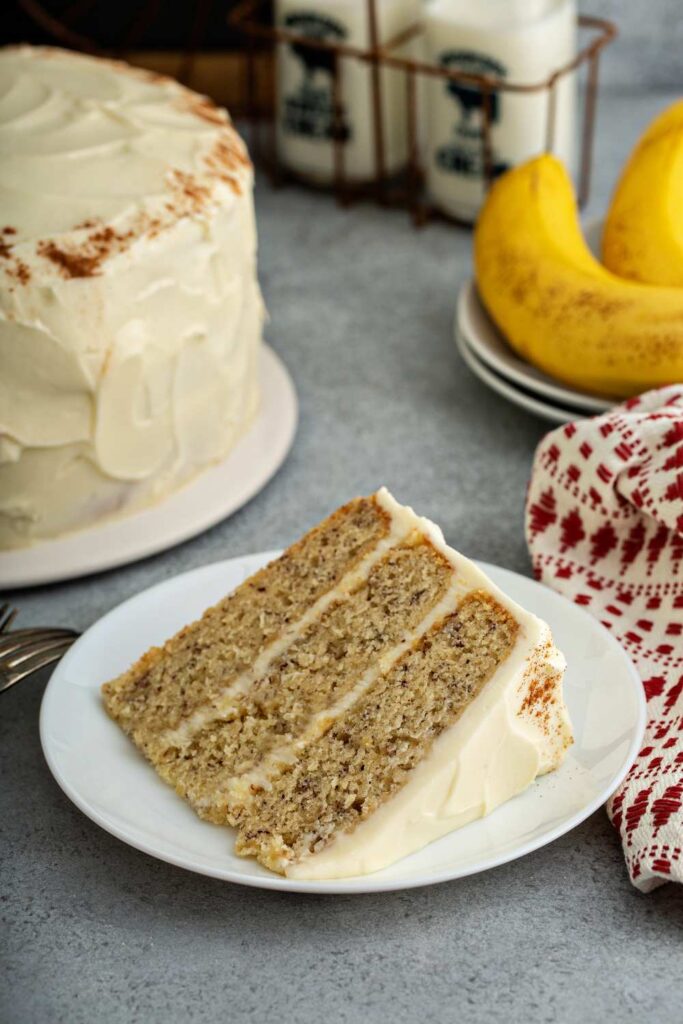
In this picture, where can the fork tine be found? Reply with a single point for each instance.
(33, 630)
(9, 679)
(19, 639)
(25, 654)
(7, 616)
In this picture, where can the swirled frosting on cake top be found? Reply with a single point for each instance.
(130, 313)
(97, 155)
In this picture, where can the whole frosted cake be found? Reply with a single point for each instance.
(130, 312)
(366, 693)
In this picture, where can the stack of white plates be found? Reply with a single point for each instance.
(489, 356)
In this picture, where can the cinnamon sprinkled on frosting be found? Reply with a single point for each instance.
(146, 173)
(203, 107)
(189, 194)
(130, 313)
(20, 272)
(14, 267)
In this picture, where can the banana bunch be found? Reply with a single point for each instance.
(643, 236)
(561, 309)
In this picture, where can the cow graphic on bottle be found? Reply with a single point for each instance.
(308, 106)
(463, 152)
(327, 136)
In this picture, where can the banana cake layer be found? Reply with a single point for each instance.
(362, 695)
(196, 666)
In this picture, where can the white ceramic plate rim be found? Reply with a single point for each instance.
(490, 346)
(368, 883)
(210, 497)
(496, 356)
(546, 410)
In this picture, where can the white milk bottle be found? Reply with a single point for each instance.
(305, 114)
(522, 41)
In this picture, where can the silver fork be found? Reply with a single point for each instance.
(25, 651)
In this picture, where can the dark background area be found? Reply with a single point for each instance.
(146, 24)
(647, 55)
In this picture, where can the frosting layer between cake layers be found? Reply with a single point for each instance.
(130, 312)
(516, 729)
(361, 696)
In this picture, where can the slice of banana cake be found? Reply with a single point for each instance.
(362, 695)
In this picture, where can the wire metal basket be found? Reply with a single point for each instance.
(254, 21)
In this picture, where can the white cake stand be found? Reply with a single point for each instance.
(216, 493)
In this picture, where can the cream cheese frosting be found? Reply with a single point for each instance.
(516, 729)
(130, 312)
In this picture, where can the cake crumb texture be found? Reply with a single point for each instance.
(318, 669)
(341, 778)
(194, 667)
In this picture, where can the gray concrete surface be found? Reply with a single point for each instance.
(92, 931)
(648, 52)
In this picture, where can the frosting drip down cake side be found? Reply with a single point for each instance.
(358, 698)
(130, 312)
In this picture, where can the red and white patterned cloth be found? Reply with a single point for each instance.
(604, 524)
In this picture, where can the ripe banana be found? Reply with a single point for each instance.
(558, 307)
(643, 236)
